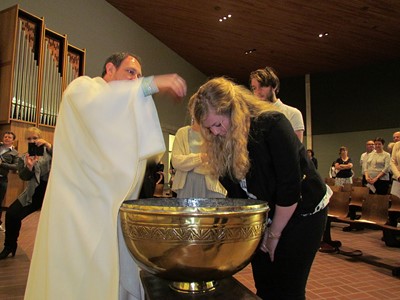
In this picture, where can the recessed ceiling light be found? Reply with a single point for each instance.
(225, 18)
(249, 51)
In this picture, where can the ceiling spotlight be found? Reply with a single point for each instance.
(323, 34)
(249, 51)
(225, 18)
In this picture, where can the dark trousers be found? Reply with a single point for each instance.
(286, 277)
(327, 238)
(364, 181)
(3, 190)
(16, 213)
(382, 187)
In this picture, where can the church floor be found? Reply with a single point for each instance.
(333, 276)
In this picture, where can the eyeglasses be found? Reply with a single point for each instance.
(32, 138)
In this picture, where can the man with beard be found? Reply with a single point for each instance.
(265, 84)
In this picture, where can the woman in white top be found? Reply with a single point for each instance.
(377, 169)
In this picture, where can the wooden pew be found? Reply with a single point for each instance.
(374, 214)
(357, 197)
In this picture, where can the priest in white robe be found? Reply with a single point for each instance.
(107, 129)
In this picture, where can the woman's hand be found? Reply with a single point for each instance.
(41, 142)
(271, 246)
(269, 243)
(30, 161)
(274, 231)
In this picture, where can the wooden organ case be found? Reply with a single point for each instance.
(36, 65)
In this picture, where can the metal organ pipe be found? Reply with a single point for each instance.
(26, 72)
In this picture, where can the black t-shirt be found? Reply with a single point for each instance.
(281, 172)
(346, 173)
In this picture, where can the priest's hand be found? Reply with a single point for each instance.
(172, 83)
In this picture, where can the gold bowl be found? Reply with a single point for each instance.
(193, 242)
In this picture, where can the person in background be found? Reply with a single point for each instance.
(396, 137)
(310, 154)
(389, 147)
(395, 162)
(8, 162)
(192, 171)
(154, 175)
(257, 154)
(332, 170)
(394, 217)
(79, 251)
(172, 172)
(392, 237)
(369, 148)
(159, 175)
(35, 170)
(265, 84)
(344, 166)
(377, 169)
(159, 180)
(149, 181)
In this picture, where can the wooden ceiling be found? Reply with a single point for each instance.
(284, 33)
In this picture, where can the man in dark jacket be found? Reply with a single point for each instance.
(8, 161)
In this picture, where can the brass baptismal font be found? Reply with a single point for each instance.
(193, 242)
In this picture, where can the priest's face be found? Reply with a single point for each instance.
(130, 69)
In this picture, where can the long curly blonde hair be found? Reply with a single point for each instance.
(227, 154)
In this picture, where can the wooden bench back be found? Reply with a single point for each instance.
(394, 203)
(375, 209)
(358, 195)
(339, 205)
